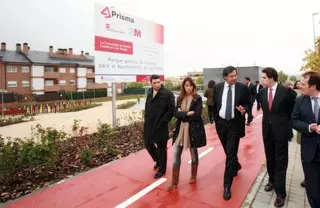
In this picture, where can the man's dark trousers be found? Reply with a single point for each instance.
(158, 152)
(230, 143)
(312, 175)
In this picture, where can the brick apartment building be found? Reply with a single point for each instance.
(25, 71)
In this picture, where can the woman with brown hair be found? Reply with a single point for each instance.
(189, 132)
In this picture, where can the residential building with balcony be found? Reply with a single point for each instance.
(26, 71)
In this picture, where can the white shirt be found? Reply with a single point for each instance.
(222, 112)
(154, 93)
(274, 89)
(258, 85)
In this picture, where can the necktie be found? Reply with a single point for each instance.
(316, 108)
(270, 100)
(154, 93)
(229, 104)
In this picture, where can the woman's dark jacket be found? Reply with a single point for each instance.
(196, 126)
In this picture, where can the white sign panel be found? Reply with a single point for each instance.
(127, 48)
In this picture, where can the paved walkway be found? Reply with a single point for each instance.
(129, 182)
(258, 198)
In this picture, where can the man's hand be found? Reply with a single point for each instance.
(318, 129)
(241, 109)
(313, 127)
(190, 113)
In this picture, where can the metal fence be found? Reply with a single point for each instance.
(44, 108)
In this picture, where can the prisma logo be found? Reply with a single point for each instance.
(107, 14)
(135, 32)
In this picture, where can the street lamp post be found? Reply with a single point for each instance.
(2, 108)
(314, 30)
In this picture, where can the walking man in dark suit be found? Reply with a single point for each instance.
(277, 104)
(250, 86)
(256, 91)
(230, 102)
(159, 110)
(306, 119)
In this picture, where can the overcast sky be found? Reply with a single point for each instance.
(198, 34)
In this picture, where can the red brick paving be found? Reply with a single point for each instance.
(111, 185)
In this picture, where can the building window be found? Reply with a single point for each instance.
(25, 84)
(12, 84)
(89, 81)
(72, 82)
(25, 69)
(48, 69)
(89, 71)
(72, 70)
(62, 70)
(12, 69)
(49, 83)
(62, 82)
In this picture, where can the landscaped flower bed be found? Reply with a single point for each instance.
(14, 120)
(79, 108)
(126, 105)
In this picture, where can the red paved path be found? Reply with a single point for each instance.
(113, 184)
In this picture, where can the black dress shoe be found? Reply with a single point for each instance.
(159, 174)
(156, 166)
(268, 187)
(303, 184)
(226, 194)
(279, 202)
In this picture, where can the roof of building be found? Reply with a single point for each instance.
(13, 57)
(41, 57)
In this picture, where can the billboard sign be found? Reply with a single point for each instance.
(127, 48)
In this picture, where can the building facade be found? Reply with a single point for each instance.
(24, 71)
(253, 72)
(174, 80)
(192, 75)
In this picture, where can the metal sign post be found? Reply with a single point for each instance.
(114, 106)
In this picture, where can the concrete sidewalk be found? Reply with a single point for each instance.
(297, 198)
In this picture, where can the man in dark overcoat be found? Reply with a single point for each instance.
(159, 110)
